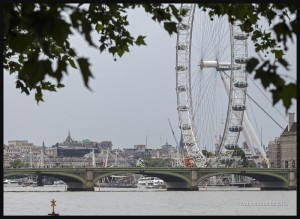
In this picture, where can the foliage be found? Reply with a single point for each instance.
(282, 21)
(156, 163)
(37, 47)
(17, 163)
(241, 153)
(245, 161)
(251, 164)
(264, 164)
(36, 38)
(207, 153)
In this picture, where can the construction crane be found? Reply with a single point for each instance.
(178, 163)
(177, 145)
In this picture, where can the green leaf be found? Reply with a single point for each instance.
(25, 89)
(276, 95)
(256, 34)
(19, 84)
(264, 77)
(46, 85)
(61, 67)
(171, 27)
(39, 95)
(86, 29)
(75, 16)
(286, 94)
(72, 63)
(282, 30)
(85, 70)
(251, 64)
(99, 27)
(23, 42)
(121, 50)
(59, 85)
(284, 63)
(60, 31)
(102, 47)
(140, 40)
(278, 53)
(112, 50)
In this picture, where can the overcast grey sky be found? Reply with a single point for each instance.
(131, 101)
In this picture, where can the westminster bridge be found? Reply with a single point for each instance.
(182, 179)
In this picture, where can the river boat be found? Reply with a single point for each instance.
(10, 182)
(151, 183)
(30, 183)
(58, 182)
(117, 181)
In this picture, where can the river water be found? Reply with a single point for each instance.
(135, 201)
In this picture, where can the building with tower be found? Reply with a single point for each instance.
(283, 150)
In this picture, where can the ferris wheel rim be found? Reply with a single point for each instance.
(183, 89)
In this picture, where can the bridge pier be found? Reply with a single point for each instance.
(89, 179)
(273, 186)
(183, 189)
(184, 186)
(194, 176)
(181, 186)
(77, 186)
(292, 180)
(78, 189)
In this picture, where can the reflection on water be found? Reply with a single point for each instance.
(135, 201)
(46, 188)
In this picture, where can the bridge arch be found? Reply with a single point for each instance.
(259, 176)
(166, 176)
(58, 175)
(69, 178)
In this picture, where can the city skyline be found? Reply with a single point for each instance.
(131, 102)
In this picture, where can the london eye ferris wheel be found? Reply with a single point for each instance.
(211, 83)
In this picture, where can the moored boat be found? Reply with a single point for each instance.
(10, 182)
(117, 181)
(59, 182)
(30, 183)
(151, 183)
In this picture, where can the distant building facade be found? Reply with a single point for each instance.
(283, 150)
(73, 148)
(166, 150)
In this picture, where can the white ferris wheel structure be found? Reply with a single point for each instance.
(211, 86)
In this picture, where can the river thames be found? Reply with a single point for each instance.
(133, 201)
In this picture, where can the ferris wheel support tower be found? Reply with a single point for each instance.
(248, 131)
